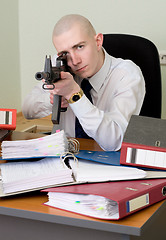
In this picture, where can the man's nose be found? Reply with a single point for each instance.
(75, 59)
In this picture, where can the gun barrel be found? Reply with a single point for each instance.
(42, 75)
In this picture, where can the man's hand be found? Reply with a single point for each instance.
(64, 102)
(65, 87)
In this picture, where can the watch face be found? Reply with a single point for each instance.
(76, 98)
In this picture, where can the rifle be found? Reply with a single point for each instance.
(51, 75)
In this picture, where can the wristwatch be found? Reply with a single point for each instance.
(76, 96)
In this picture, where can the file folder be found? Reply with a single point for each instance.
(8, 118)
(144, 143)
(121, 198)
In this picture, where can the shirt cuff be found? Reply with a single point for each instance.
(82, 106)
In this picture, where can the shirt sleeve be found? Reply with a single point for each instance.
(37, 103)
(107, 124)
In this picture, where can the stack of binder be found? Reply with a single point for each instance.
(106, 185)
(143, 147)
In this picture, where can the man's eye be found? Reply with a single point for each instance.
(80, 46)
(63, 54)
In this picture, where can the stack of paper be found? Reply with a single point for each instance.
(30, 175)
(17, 177)
(88, 171)
(86, 204)
(49, 145)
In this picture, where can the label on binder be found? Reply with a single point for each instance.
(138, 202)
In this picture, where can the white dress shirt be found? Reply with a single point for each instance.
(118, 92)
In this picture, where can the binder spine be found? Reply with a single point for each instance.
(143, 156)
(8, 118)
(139, 202)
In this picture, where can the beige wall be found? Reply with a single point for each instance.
(37, 18)
(10, 91)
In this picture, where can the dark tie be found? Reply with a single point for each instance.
(86, 87)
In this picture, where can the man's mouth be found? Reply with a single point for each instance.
(81, 69)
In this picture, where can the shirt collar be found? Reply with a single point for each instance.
(98, 79)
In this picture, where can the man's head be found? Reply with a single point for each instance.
(75, 36)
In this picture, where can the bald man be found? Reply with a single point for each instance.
(117, 86)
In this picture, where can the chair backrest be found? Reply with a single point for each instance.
(145, 54)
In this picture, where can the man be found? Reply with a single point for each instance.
(117, 92)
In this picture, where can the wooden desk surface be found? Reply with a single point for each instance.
(33, 202)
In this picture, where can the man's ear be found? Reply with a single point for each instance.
(99, 40)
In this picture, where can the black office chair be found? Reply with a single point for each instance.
(144, 53)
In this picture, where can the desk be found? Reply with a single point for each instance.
(24, 217)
